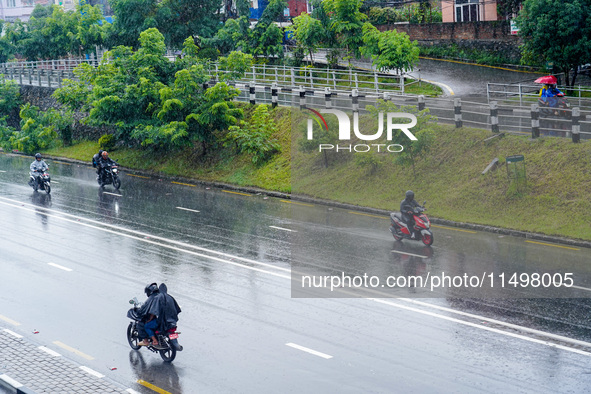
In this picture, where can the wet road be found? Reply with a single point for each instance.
(71, 261)
(466, 80)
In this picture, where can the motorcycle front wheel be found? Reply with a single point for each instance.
(427, 239)
(116, 183)
(132, 337)
(47, 188)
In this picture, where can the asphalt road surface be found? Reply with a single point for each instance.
(70, 261)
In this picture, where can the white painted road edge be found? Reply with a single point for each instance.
(92, 372)
(308, 350)
(10, 381)
(49, 351)
(14, 334)
(187, 209)
(284, 229)
(60, 267)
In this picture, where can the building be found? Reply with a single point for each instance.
(468, 10)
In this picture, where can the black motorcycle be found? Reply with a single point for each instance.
(555, 106)
(40, 180)
(110, 177)
(168, 343)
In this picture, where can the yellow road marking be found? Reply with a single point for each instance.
(455, 229)
(367, 214)
(480, 65)
(184, 184)
(139, 176)
(9, 321)
(71, 349)
(297, 203)
(152, 387)
(556, 246)
(242, 194)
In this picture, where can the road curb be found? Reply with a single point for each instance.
(14, 386)
(336, 204)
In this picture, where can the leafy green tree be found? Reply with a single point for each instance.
(389, 50)
(347, 23)
(559, 31)
(265, 40)
(308, 32)
(234, 66)
(273, 12)
(131, 17)
(256, 136)
(37, 132)
(9, 96)
(230, 36)
(179, 19)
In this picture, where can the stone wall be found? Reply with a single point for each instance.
(40, 96)
(495, 30)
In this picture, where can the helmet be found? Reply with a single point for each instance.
(151, 289)
(37, 156)
(410, 195)
(105, 154)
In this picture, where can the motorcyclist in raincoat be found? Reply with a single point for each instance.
(37, 168)
(160, 312)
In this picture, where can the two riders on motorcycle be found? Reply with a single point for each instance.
(158, 313)
(549, 96)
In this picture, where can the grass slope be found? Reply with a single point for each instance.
(557, 199)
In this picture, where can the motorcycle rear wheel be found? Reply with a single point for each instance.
(132, 337)
(168, 355)
(427, 239)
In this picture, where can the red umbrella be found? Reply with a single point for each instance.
(551, 79)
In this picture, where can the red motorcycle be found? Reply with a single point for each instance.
(420, 231)
(555, 106)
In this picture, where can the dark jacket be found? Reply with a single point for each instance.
(106, 162)
(163, 306)
(408, 207)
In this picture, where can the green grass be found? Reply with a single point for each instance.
(555, 201)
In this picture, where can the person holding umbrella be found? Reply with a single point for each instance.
(549, 92)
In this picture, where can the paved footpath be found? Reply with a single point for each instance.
(28, 368)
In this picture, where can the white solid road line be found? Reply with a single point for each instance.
(284, 229)
(112, 194)
(187, 209)
(92, 372)
(308, 350)
(49, 351)
(14, 334)
(581, 288)
(60, 267)
(397, 305)
(410, 254)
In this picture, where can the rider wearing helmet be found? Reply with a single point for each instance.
(37, 168)
(104, 161)
(150, 311)
(407, 207)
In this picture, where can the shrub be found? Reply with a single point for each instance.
(107, 142)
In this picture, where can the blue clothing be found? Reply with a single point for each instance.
(150, 327)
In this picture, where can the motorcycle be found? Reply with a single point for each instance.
(555, 106)
(40, 180)
(400, 230)
(110, 176)
(168, 343)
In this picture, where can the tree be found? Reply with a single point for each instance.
(389, 50)
(347, 23)
(558, 31)
(308, 32)
(131, 17)
(273, 12)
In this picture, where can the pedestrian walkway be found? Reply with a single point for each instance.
(28, 368)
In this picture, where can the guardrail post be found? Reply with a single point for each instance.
(401, 83)
(38, 77)
(356, 82)
(334, 80)
(535, 121)
(355, 99)
(494, 117)
(20, 76)
(48, 78)
(520, 96)
(292, 77)
(576, 128)
(421, 102)
(11, 75)
(375, 82)
(327, 98)
(60, 77)
(458, 112)
(302, 97)
(254, 78)
(274, 96)
(252, 93)
(30, 74)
